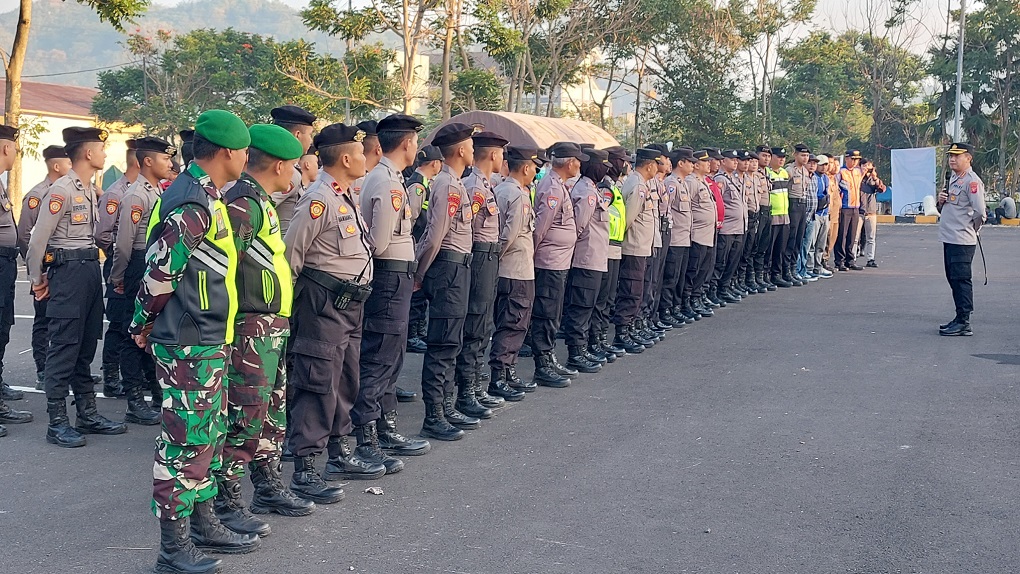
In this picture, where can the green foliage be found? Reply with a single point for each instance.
(476, 89)
(117, 12)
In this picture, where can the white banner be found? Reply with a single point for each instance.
(913, 176)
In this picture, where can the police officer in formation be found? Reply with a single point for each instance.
(428, 163)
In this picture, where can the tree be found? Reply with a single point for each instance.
(116, 12)
(405, 18)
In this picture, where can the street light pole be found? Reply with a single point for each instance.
(959, 70)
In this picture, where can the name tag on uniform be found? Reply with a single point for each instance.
(221, 225)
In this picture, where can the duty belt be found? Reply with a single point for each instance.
(396, 265)
(616, 243)
(57, 257)
(484, 247)
(344, 290)
(454, 256)
(9, 253)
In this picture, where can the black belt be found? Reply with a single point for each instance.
(616, 243)
(396, 265)
(9, 253)
(793, 199)
(344, 290)
(454, 256)
(484, 247)
(57, 257)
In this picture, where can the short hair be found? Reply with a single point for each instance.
(642, 162)
(330, 155)
(866, 160)
(291, 127)
(480, 151)
(133, 154)
(202, 148)
(517, 164)
(390, 141)
(370, 141)
(259, 160)
(140, 155)
(75, 151)
(560, 162)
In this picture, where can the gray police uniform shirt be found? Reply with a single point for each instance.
(591, 216)
(655, 187)
(328, 233)
(8, 228)
(642, 217)
(286, 201)
(800, 182)
(747, 183)
(133, 222)
(516, 229)
(964, 210)
(484, 210)
(763, 187)
(449, 220)
(734, 204)
(416, 194)
(387, 212)
(30, 213)
(67, 220)
(680, 210)
(109, 208)
(555, 231)
(703, 214)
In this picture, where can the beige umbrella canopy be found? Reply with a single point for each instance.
(533, 131)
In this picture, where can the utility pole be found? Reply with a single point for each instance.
(959, 70)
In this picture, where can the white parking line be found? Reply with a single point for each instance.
(32, 389)
(33, 317)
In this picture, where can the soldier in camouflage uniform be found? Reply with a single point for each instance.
(186, 305)
(256, 373)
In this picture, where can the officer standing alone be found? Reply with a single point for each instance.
(962, 209)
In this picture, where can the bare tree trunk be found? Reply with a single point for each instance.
(12, 98)
(637, 98)
(447, 96)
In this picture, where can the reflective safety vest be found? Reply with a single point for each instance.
(203, 305)
(264, 280)
(617, 210)
(779, 195)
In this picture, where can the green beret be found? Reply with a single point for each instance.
(223, 129)
(275, 141)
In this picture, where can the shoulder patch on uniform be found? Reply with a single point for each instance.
(33, 202)
(136, 213)
(671, 189)
(396, 199)
(111, 205)
(418, 188)
(453, 198)
(592, 200)
(552, 202)
(56, 203)
(336, 188)
(316, 208)
(477, 201)
(973, 187)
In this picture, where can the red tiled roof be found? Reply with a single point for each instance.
(53, 98)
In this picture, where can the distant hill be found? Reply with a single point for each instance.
(68, 37)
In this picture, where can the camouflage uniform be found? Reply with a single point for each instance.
(256, 374)
(187, 296)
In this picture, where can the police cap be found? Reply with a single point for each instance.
(959, 148)
(597, 156)
(853, 154)
(78, 135)
(370, 127)
(187, 135)
(521, 153)
(778, 151)
(561, 150)
(647, 153)
(54, 152)
(801, 148)
(730, 154)
(398, 123)
(714, 152)
(338, 134)
(702, 155)
(292, 115)
(453, 133)
(763, 148)
(155, 145)
(8, 133)
(429, 153)
(489, 139)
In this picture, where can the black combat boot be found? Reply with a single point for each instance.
(113, 387)
(368, 449)
(405, 396)
(779, 281)
(611, 348)
(498, 387)
(457, 418)
(517, 383)
(467, 403)
(59, 431)
(640, 336)
(208, 533)
(701, 308)
(231, 512)
(392, 442)
(597, 351)
(561, 369)
(436, 426)
(576, 359)
(764, 281)
(546, 374)
(729, 296)
(348, 465)
(307, 483)
(13, 417)
(945, 326)
(177, 553)
(687, 311)
(958, 328)
(138, 411)
(270, 493)
(89, 421)
(482, 393)
(624, 341)
(9, 394)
